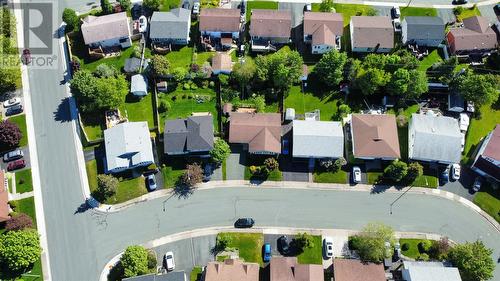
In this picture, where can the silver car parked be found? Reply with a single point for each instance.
(13, 155)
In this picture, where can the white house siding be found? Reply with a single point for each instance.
(321, 49)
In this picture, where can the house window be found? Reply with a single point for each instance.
(123, 40)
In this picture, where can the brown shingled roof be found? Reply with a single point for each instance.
(372, 31)
(491, 152)
(231, 270)
(270, 23)
(375, 136)
(356, 270)
(4, 198)
(222, 61)
(476, 34)
(288, 269)
(219, 19)
(261, 131)
(323, 27)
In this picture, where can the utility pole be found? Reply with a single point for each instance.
(399, 197)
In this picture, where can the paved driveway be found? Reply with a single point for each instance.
(188, 252)
(462, 186)
(26, 158)
(235, 164)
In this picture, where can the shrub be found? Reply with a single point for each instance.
(106, 186)
(137, 52)
(458, 10)
(254, 169)
(211, 84)
(405, 247)
(164, 106)
(402, 120)
(424, 246)
(271, 164)
(14, 205)
(186, 86)
(18, 222)
(423, 257)
(10, 134)
(193, 175)
(415, 170)
(220, 151)
(134, 261)
(302, 241)
(152, 167)
(151, 260)
(105, 71)
(396, 171)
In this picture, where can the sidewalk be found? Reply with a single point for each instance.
(336, 234)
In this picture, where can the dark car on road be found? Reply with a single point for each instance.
(244, 223)
(445, 176)
(283, 245)
(16, 109)
(18, 164)
(459, 2)
(207, 172)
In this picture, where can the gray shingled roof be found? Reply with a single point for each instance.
(195, 133)
(128, 145)
(430, 271)
(171, 276)
(173, 24)
(434, 138)
(425, 27)
(95, 29)
(318, 139)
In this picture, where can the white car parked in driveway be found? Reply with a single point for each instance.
(169, 261)
(455, 171)
(356, 174)
(143, 24)
(464, 122)
(11, 102)
(328, 246)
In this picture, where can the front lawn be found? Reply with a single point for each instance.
(306, 102)
(478, 129)
(27, 206)
(489, 200)
(167, 5)
(23, 181)
(185, 102)
(313, 255)
(430, 181)
(260, 5)
(196, 274)
(171, 175)
(136, 109)
(91, 167)
(275, 175)
(373, 177)
(468, 12)
(413, 251)
(349, 10)
(414, 11)
(248, 244)
(329, 177)
(20, 121)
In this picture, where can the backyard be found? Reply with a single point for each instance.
(309, 101)
(185, 102)
(20, 121)
(248, 244)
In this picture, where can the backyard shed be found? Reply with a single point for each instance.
(139, 85)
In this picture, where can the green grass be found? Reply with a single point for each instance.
(171, 175)
(372, 177)
(426, 181)
(91, 167)
(204, 57)
(306, 102)
(329, 177)
(429, 60)
(468, 12)
(248, 244)
(349, 10)
(478, 129)
(412, 251)
(181, 58)
(196, 274)
(489, 200)
(167, 5)
(224, 170)
(20, 121)
(312, 255)
(260, 5)
(93, 125)
(139, 109)
(414, 11)
(23, 181)
(118, 62)
(183, 104)
(27, 206)
(275, 175)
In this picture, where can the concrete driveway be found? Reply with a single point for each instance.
(462, 186)
(235, 164)
(26, 158)
(188, 252)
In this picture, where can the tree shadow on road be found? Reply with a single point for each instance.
(63, 113)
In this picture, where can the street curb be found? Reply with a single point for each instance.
(263, 229)
(306, 185)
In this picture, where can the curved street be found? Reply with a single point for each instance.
(80, 242)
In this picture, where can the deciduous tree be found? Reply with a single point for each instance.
(71, 19)
(134, 261)
(106, 186)
(19, 249)
(396, 171)
(479, 88)
(415, 170)
(371, 80)
(152, 5)
(398, 85)
(159, 65)
(330, 68)
(10, 134)
(281, 69)
(125, 4)
(327, 6)
(220, 151)
(19, 222)
(244, 72)
(473, 260)
(106, 7)
(370, 243)
(193, 175)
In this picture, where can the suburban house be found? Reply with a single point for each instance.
(139, 85)
(260, 133)
(487, 161)
(269, 28)
(171, 276)
(429, 271)
(371, 34)
(128, 146)
(422, 31)
(375, 136)
(220, 24)
(434, 139)
(476, 37)
(323, 31)
(222, 63)
(317, 140)
(193, 135)
(288, 269)
(107, 31)
(230, 270)
(4, 198)
(170, 27)
(356, 270)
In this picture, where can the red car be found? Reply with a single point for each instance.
(18, 164)
(26, 58)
